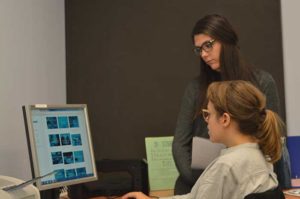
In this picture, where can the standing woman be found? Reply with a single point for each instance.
(216, 43)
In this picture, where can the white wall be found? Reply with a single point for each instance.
(291, 53)
(32, 70)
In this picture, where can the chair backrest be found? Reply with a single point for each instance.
(270, 194)
(282, 168)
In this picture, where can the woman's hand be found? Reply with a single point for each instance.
(136, 195)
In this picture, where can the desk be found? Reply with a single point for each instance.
(160, 193)
(290, 196)
(170, 192)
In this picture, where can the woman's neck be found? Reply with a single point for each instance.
(239, 138)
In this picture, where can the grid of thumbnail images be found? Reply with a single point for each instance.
(59, 140)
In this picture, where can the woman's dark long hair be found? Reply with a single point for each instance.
(232, 66)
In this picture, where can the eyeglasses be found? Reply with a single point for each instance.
(206, 46)
(205, 114)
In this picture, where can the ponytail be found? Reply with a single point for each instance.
(269, 138)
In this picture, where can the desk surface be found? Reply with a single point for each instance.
(168, 192)
(287, 196)
(291, 197)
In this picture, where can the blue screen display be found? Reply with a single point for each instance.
(62, 144)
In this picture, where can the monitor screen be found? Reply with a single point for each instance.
(59, 141)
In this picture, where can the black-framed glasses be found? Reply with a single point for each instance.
(206, 46)
(205, 114)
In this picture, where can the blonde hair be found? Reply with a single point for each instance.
(246, 105)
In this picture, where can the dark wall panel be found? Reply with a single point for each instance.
(131, 60)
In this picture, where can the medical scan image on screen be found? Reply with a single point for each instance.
(60, 142)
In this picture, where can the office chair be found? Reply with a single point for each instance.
(270, 194)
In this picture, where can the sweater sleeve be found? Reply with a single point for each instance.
(182, 143)
(269, 88)
(217, 183)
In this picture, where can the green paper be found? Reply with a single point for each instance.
(162, 171)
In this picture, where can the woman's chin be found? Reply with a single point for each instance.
(215, 67)
(212, 139)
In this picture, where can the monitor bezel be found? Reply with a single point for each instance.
(32, 148)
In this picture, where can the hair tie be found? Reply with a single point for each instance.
(263, 111)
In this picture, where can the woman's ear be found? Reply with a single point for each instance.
(226, 119)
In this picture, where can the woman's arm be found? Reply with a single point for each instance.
(182, 143)
(269, 88)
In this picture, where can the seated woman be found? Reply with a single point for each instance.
(236, 116)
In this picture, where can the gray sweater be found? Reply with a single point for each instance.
(187, 128)
(237, 172)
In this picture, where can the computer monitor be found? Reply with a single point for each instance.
(59, 141)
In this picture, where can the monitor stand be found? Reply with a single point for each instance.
(50, 194)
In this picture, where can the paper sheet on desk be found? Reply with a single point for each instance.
(162, 171)
(204, 152)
